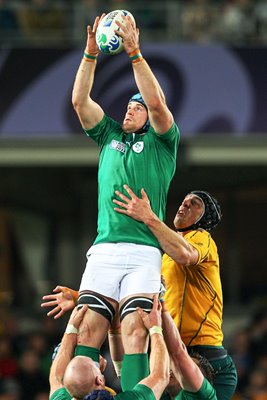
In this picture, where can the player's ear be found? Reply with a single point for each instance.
(100, 380)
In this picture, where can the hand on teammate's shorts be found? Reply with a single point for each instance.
(162, 289)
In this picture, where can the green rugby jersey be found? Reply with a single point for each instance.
(206, 392)
(139, 392)
(61, 394)
(140, 161)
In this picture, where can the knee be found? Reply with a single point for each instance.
(134, 333)
(133, 328)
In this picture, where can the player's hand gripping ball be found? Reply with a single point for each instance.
(106, 38)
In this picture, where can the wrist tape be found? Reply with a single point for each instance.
(155, 329)
(71, 329)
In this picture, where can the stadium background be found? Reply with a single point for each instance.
(211, 59)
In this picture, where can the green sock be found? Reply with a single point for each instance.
(135, 367)
(87, 351)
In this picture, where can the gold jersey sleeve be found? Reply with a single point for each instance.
(194, 293)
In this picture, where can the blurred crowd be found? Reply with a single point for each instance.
(25, 357)
(27, 345)
(28, 340)
(61, 22)
(248, 348)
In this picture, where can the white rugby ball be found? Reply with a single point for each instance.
(106, 38)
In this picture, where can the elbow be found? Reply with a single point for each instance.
(182, 258)
(78, 107)
(81, 104)
(78, 100)
(166, 377)
(178, 357)
(75, 102)
(55, 377)
(163, 377)
(166, 371)
(186, 261)
(155, 104)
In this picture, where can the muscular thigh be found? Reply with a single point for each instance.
(93, 330)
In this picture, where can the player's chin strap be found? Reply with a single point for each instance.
(144, 129)
(188, 228)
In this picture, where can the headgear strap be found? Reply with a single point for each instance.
(139, 99)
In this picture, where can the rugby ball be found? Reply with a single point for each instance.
(106, 38)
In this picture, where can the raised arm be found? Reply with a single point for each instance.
(66, 350)
(159, 358)
(184, 368)
(160, 116)
(88, 111)
(171, 242)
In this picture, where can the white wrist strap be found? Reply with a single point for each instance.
(71, 329)
(155, 329)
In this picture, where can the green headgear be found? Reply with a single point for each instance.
(139, 99)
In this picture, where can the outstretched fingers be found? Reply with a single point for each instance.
(55, 310)
(130, 192)
(51, 303)
(144, 195)
(121, 204)
(58, 289)
(122, 196)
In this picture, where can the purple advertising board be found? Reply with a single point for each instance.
(210, 89)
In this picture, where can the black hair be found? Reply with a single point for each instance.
(204, 366)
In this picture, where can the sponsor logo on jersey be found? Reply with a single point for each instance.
(138, 147)
(116, 145)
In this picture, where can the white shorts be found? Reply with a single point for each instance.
(117, 270)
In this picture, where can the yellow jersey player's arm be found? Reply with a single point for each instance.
(184, 368)
(171, 242)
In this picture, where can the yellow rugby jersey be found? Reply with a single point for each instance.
(194, 293)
